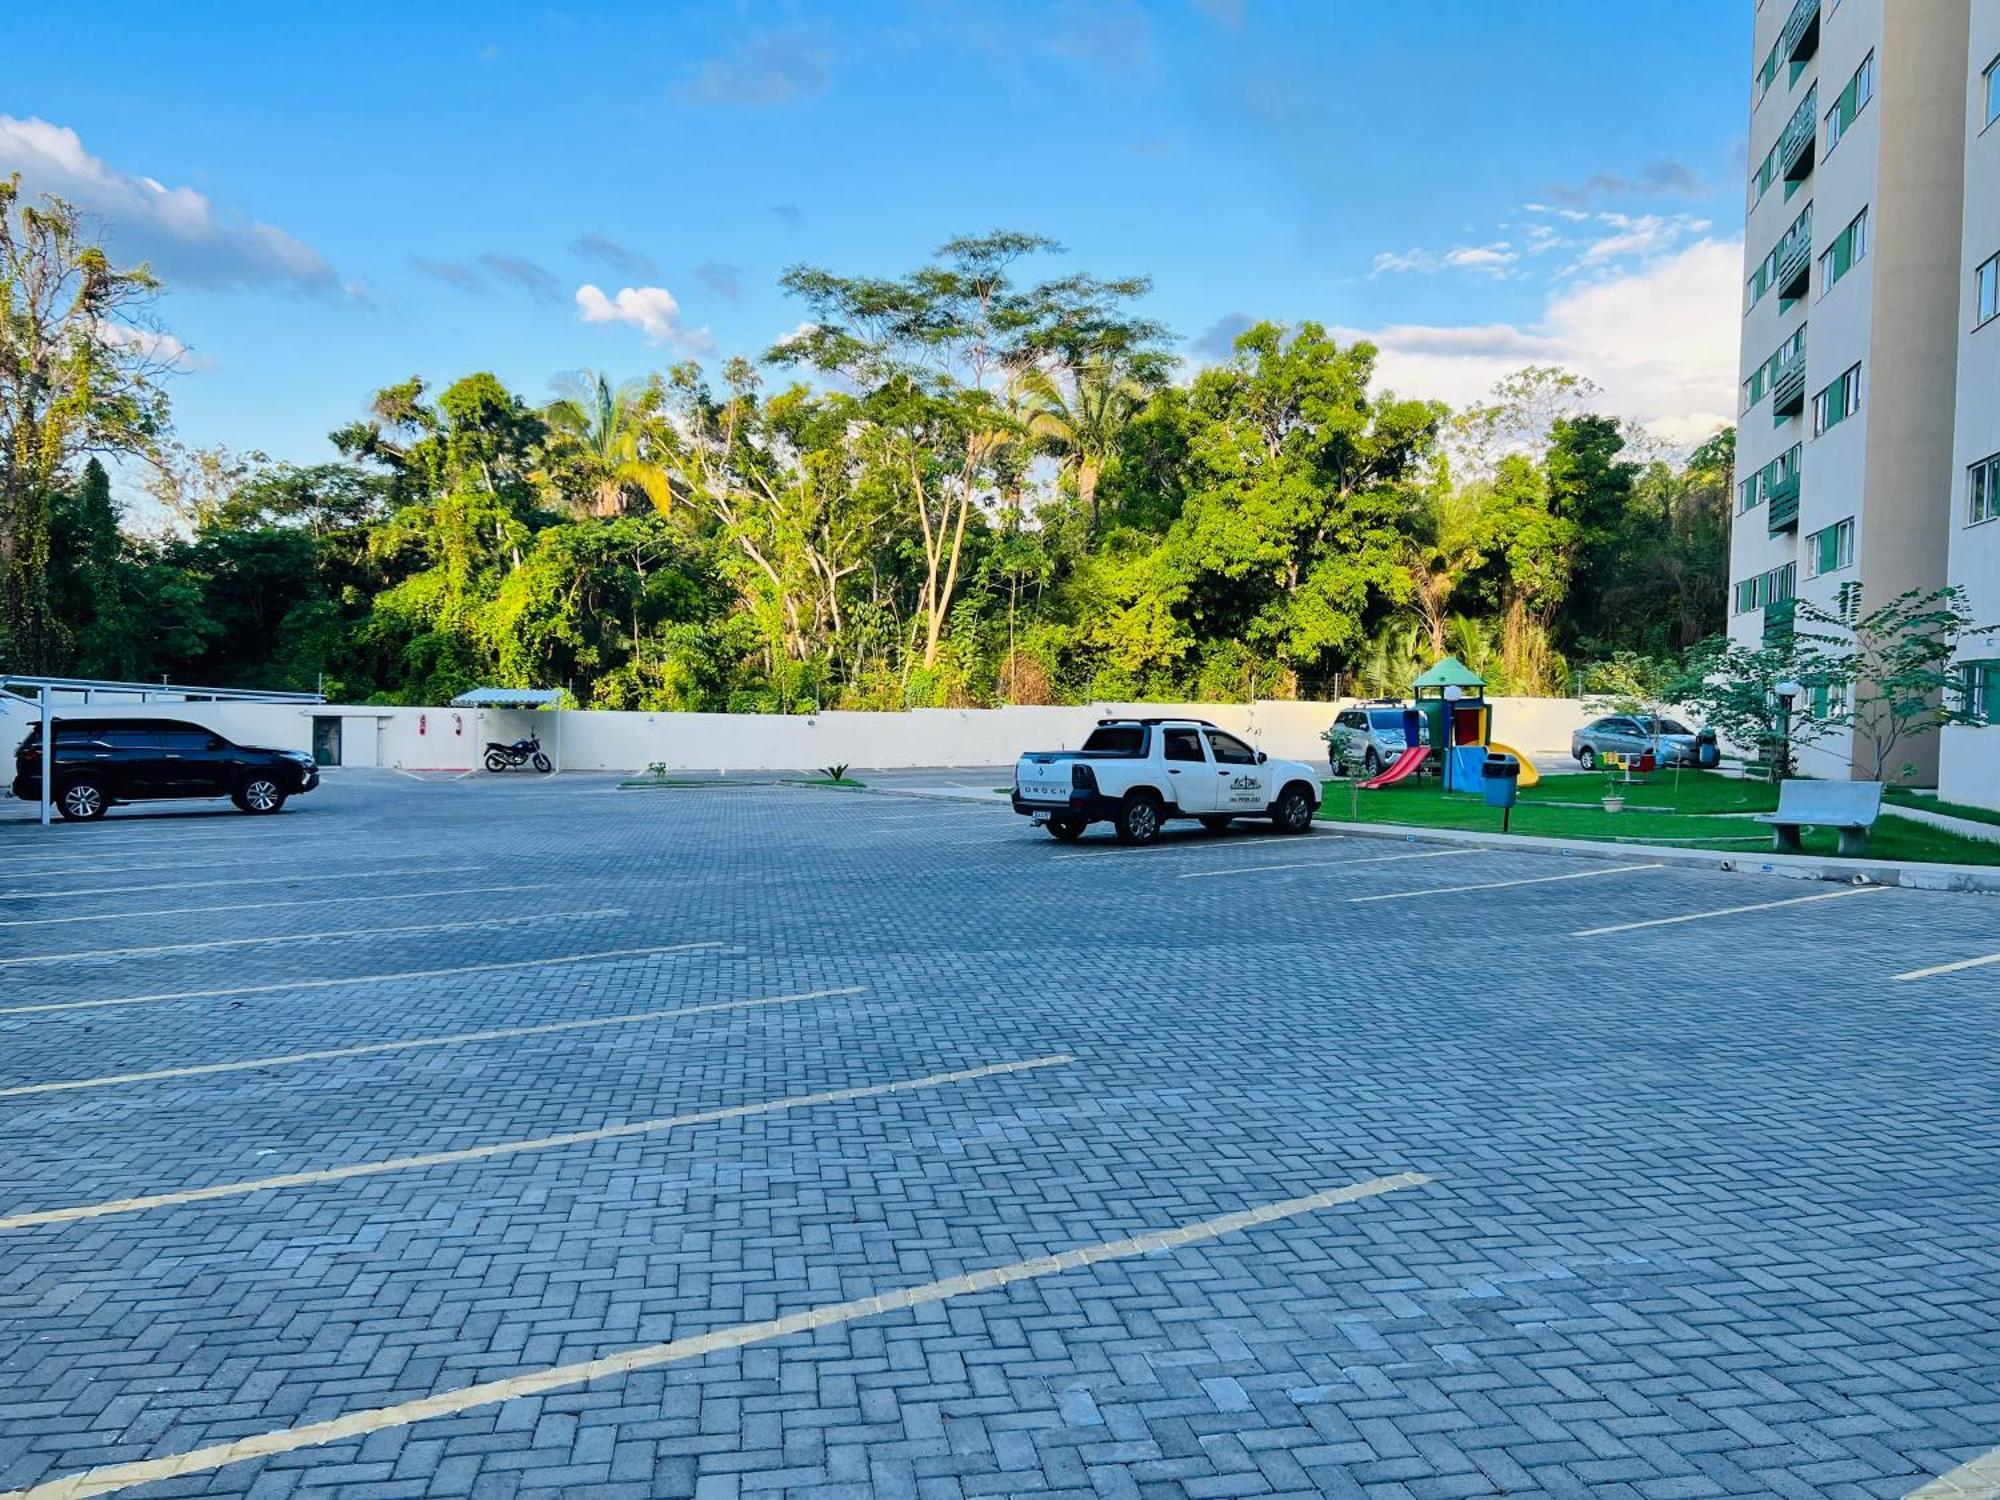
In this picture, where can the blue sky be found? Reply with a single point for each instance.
(339, 197)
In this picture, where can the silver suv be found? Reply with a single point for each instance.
(1373, 737)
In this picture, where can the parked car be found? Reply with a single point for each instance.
(1137, 773)
(1672, 742)
(1374, 738)
(100, 762)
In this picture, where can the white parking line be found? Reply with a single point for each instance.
(455, 1040)
(1727, 911)
(203, 885)
(1188, 844)
(1501, 885)
(96, 858)
(184, 911)
(601, 956)
(1951, 968)
(515, 1148)
(111, 1477)
(1315, 864)
(306, 937)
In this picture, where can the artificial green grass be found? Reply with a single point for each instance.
(1710, 812)
(1903, 796)
(846, 782)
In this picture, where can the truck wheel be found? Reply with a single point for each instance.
(1138, 819)
(1216, 822)
(1067, 829)
(82, 801)
(1294, 810)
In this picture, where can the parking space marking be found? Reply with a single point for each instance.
(1976, 1479)
(457, 1039)
(1951, 968)
(592, 914)
(1316, 864)
(514, 1148)
(1501, 885)
(103, 1481)
(202, 885)
(236, 906)
(1726, 911)
(600, 956)
(1204, 845)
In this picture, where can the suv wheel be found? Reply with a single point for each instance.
(1066, 828)
(1294, 812)
(1371, 762)
(259, 794)
(1138, 819)
(1587, 758)
(83, 801)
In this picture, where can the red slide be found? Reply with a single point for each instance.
(1405, 765)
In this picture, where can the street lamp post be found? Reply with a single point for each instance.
(1788, 692)
(1451, 694)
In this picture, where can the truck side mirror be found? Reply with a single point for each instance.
(1262, 757)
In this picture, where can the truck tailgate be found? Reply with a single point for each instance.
(1043, 779)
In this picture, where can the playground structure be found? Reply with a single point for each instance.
(1451, 704)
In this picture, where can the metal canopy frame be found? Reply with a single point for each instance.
(40, 693)
(536, 700)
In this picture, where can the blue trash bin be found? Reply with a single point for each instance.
(1501, 777)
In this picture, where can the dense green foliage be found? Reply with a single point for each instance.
(961, 486)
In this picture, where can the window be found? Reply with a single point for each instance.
(131, 739)
(1848, 247)
(1746, 595)
(1776, 586)
(179, 741)
(1830, 550)
(1982, 491)
(1853, 99)
(1986, 292)
(1750, 493)
(1767, 72)
(1181, 744)
(1837, 402)
(1764, 176)
(1115, 739)
(1979, 689)
(1992, 91)
(1229, 750)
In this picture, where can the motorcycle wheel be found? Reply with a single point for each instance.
(543, 763)
(495, 761)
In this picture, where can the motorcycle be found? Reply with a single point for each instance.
(501, 757)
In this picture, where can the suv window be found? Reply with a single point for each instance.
(130, 738)
(1229, 750)
(1181, 744)
(1387, 718)
(1353, 719)
(183, 740)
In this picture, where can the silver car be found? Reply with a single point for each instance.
(1672, 742)
(1373, 739)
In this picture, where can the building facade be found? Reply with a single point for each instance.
(1969, 758)
(1855, 244)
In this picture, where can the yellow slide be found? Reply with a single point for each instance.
(1529, 775)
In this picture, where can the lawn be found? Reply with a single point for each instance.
(1706, 811)
(1924, 800)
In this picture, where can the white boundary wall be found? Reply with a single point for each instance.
(451, 738)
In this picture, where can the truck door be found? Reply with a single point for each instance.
(1242, 785)
(1190, 777)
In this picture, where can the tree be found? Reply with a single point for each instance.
(1733, 690)
(1441, 551)
(599, 456)
(1887, 674)
(79, 370)
(1081, 419)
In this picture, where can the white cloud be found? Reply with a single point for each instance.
(1660, 339)
(801, 331)
(1642, 235)
(767, 67)
(183, 234)
(155, 345)
(1492, 259)
(1403, 260)
(651, 309)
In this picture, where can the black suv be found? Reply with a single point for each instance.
(102, 761)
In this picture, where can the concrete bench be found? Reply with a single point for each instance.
(1850, 807)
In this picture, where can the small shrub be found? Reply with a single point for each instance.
(835, 773)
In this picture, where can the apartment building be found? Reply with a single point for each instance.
(1969, 756)
(1852, 303)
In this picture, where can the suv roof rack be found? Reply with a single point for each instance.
(1174, 719)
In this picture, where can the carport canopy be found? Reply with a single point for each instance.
(499, 697)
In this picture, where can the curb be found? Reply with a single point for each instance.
(1920, 877)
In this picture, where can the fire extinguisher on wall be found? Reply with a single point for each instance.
(423, 723)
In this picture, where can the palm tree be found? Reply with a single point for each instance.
(601, 436)
(1440, 554)
(1079, 424)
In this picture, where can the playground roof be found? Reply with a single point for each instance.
(1451, 672)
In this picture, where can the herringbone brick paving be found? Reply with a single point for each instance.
(1712, 1210)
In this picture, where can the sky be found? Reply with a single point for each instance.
(340, 196)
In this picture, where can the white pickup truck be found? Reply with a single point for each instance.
(1136, 773)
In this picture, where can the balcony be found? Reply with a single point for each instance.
(1800, 136)
(1794, 259)
(1800, 38)
(1782, 513)
(1778, 622)
(1788, 378)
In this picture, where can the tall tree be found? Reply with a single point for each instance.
(599, 456)
(79, 370)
